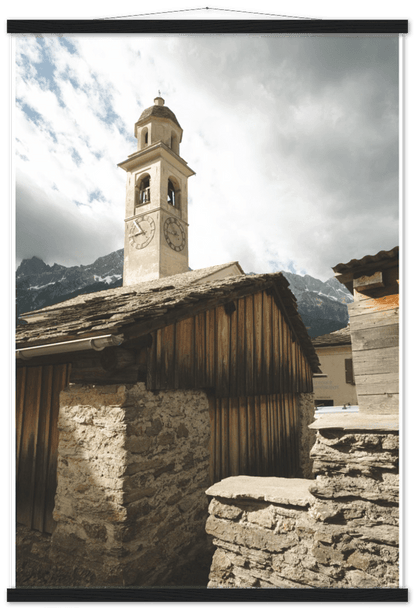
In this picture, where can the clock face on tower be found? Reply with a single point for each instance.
(141, 231)
(174, 234)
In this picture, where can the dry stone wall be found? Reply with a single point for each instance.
(306, 411)
(132, 470)
(339, 531)
(33, 564)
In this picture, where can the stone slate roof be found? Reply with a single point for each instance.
(159, 111)
(137, 310)
(338, 337)
(381, 258)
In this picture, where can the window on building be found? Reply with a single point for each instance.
(145, 137)
(349, 372)
(142, 193)
(173, 194)
(324, 403)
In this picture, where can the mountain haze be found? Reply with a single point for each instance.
(322, 305)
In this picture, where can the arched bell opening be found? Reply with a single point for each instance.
(144, 137)
(174, 193)
(142, 191)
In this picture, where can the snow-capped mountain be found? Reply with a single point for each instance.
(322, 305)
(39, 285)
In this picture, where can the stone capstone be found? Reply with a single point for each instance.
(338, 531)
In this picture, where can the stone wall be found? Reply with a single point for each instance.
(33, 564)
(306, 411)
(132, 470)
(340, 531)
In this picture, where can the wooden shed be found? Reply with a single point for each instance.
(240, 339)
(374, 322)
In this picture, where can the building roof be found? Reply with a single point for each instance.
(381, 258)
(338, 337)
(162, 112)
(138, 310)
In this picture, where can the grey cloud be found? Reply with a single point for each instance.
(50, 231)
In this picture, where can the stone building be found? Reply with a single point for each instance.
(335, 355)
(131, 401)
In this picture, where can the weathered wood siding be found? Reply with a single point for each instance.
(37, 409)
(248, 355)
(243, 349)
(374, 322)
(254, 435)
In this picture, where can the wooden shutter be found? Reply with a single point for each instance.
(349, 373)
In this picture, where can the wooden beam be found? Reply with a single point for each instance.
(375, 338)
(376, 361)
(385, 383)
(368, 282)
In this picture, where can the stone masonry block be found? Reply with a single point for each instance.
(224, 511)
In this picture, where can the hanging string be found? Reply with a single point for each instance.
(207, 8)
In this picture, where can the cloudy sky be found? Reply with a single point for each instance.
(294, 141)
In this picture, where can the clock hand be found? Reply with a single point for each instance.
(140, 230)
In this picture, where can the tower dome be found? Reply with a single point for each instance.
(158, 124)
(158, 110)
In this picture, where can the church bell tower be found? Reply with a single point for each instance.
(156, 222)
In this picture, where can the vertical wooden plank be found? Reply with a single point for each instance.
(211, 356)
(275, 377)
(282, 359)
(213, 440)
(258, 436)
(234, 360)
(251, 424)
(297, 366)
(275, 425)
(218, 440)
(302, 371)
(290, 432)
(42, 451)
(200, 350)
(271, 434)
(60, 379)
(280, 436)
(241, 348)
(249, 345)
(285, 435)
(258, 336)
(20, 400)
(223, 352)
(267, 355)
(26, 475)
(289, 453)
(234, 436)
(264, 420)
(159, 372)
(168, 360)
(151, 363)
(184, 350)
(225, 439)
(294, 366)
(243, 431)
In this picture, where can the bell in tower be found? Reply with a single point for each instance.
(156, 222)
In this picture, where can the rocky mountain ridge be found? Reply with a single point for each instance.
(322, 305)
